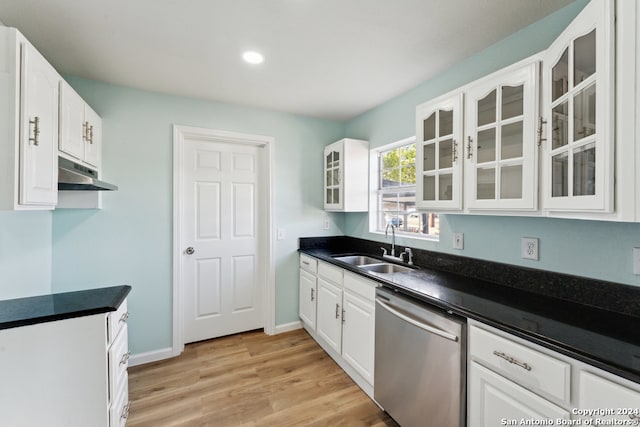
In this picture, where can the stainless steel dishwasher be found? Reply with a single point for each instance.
(420, 356)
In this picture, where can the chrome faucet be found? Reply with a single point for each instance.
(393, 237)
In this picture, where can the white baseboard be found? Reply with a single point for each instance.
(286, 327)
(151, 356)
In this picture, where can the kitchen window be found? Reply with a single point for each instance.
(393, 200)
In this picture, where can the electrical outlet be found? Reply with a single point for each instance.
(636, 261)
(282, 234)
(530, 248)
(325, 224)
(458, 240)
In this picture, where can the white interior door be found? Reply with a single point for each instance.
(223, 269)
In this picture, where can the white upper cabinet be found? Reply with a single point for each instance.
(28, 125)
(578, 114)
(80, 128)
(346, 176)
(439, 153)
(501, 157)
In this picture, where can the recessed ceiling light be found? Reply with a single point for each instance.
(253, 57)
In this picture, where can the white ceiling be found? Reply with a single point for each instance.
(332, 59)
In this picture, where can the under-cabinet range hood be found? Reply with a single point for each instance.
(72, 176)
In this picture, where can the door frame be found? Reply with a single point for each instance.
(180, 134)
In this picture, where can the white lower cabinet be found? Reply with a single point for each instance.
(512, 381)
(494, 399)
(66, 373)
(344, 313)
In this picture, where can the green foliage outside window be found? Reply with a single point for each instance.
(399, 166)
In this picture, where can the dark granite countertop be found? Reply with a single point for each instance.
(594, 331)
(48, 308)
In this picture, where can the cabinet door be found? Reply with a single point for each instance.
(358, 334)
(308, 298)
(439, 154)
(333, 176)
(39, 130)
(600, 393)
(93, 145)
(578, 107)
(494, 399)
(72, 122)
(502, 156)
(329, 314)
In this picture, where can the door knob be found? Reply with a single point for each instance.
(190, 250)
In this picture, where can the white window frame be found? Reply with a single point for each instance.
(374, 186)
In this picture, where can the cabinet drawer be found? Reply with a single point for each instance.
(525, 365)
(360, 286)
(308, 263)
(118, 363)
(330, 272)
(119, 410)
(116, 320)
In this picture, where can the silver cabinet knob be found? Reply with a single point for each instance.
(190, 250)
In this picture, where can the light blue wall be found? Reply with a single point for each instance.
(587, 248)
(130, 240)
(25, 254)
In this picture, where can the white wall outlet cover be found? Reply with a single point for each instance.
(636, 261)
(325, 224)
(458, 240)
(282, 234)
(530, 248)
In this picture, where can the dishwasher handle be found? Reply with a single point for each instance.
(418, 324)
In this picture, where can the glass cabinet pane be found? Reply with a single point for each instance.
(329, 196)
(445, 191)
(584, 57)
(429, 127)
(560, 76)
(329, 177)
(584, 170)
(559, 128)
(487, 109)
(429, 188)
(512, 101)
(329, 160)
(336, 196)
(584, 113)
(486, 183)
(487, 145)
(336, 176)
(511, 141)
(429, 157)
(446, 154)
(445, 122)
(560, 175)
(511, 182)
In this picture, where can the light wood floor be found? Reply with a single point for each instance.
(250, 379)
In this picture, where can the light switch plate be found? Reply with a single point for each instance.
(282, 234)
(530, 248)
(458, 240)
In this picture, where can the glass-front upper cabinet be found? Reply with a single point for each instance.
(333, 158)
(501, 152)
(346, 176)
(578, 114)
(439, 153)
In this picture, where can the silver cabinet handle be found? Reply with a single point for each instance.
(90, 134)
(512, 360)
(343, 315)
(125, 358)
(455, 151)
(423, 326)
(85, 126)
(124, 317)
(337, 311)
(190, 250)
(312, 294)
(305, 262)
(36, 130)
(541, 123)
(469, 142)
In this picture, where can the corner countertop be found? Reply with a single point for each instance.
(595, 335)
(48, 308)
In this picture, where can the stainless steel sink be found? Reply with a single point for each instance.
(385, 268)
(358, 260)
